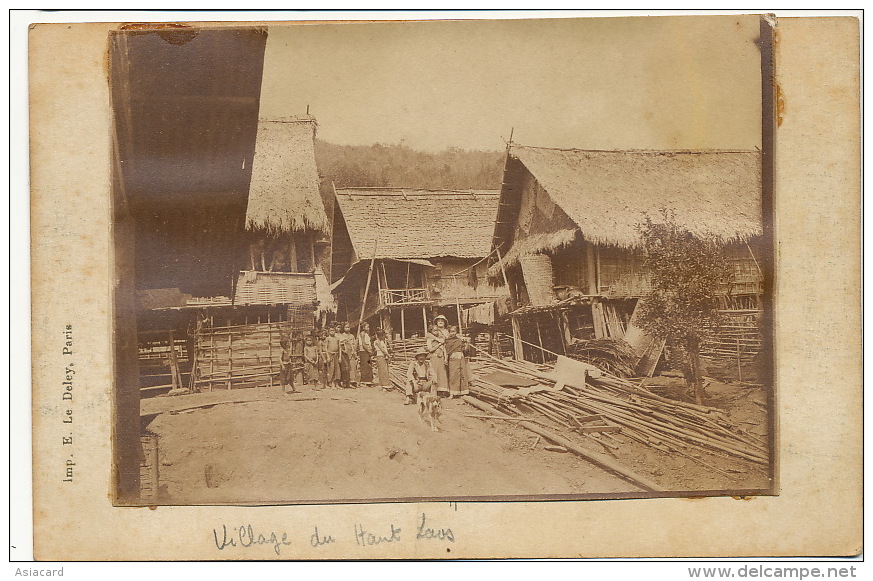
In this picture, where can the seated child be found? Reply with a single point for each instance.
(419, 377)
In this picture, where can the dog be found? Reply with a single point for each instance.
(429, 408)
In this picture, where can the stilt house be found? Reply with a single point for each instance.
(279, 285)
(286, 248)
(403, 256)
(569, 246)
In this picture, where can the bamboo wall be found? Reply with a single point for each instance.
(240, 356)
(450, 282)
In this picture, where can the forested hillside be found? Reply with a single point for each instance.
(399, 166)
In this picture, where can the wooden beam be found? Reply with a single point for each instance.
(591, 269)
(505, 279)
(564, 328)
(600, 330)
(518, 346)
(292, 253)
(593, 457)
(367, 287)
(402, 323)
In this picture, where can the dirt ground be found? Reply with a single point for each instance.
(357, 444)
(348, 444)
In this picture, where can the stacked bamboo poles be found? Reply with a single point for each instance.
(669, 425)
(405, 349)
(615, 325)
(665, 424)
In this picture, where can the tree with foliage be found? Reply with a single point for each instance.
(398, 166)
(686, 274)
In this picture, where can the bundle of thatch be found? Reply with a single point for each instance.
(613, 355)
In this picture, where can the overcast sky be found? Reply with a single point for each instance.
(596, 83)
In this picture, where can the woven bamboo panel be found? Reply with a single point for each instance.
(275, 288)
(538, 278)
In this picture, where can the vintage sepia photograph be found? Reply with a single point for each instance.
(457, 260)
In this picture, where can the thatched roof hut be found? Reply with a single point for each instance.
(418, 224)
(284, 195)
(607, 194)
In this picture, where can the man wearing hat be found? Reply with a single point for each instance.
(419, 376)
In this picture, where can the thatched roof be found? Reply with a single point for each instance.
(714, 193)
(407, 223)
(535, 244)
(284, 194)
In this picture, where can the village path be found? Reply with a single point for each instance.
(353, 444)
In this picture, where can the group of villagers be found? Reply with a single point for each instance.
(441, 366)
(337, 358)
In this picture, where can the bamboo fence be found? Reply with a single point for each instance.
(240, 356)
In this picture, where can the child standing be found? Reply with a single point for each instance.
(322, 358)
(310, 362)
(365, 354)
(332, 356)
(349, 357)
(286, 374)
(459, 370)
(383, 358)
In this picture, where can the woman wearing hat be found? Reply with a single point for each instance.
(419, 376)
(436, 340)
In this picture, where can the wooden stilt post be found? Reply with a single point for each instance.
(211, 358)
(367, 287)
(402, 323)
(460, 317)
(270, 350)
(518, 346)
(174, 364)
(424, 319)
(597, 318)
(505, 279)
(564, 327)
(229, 357)
(540, 341)
(292, 254)
(591, 269)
